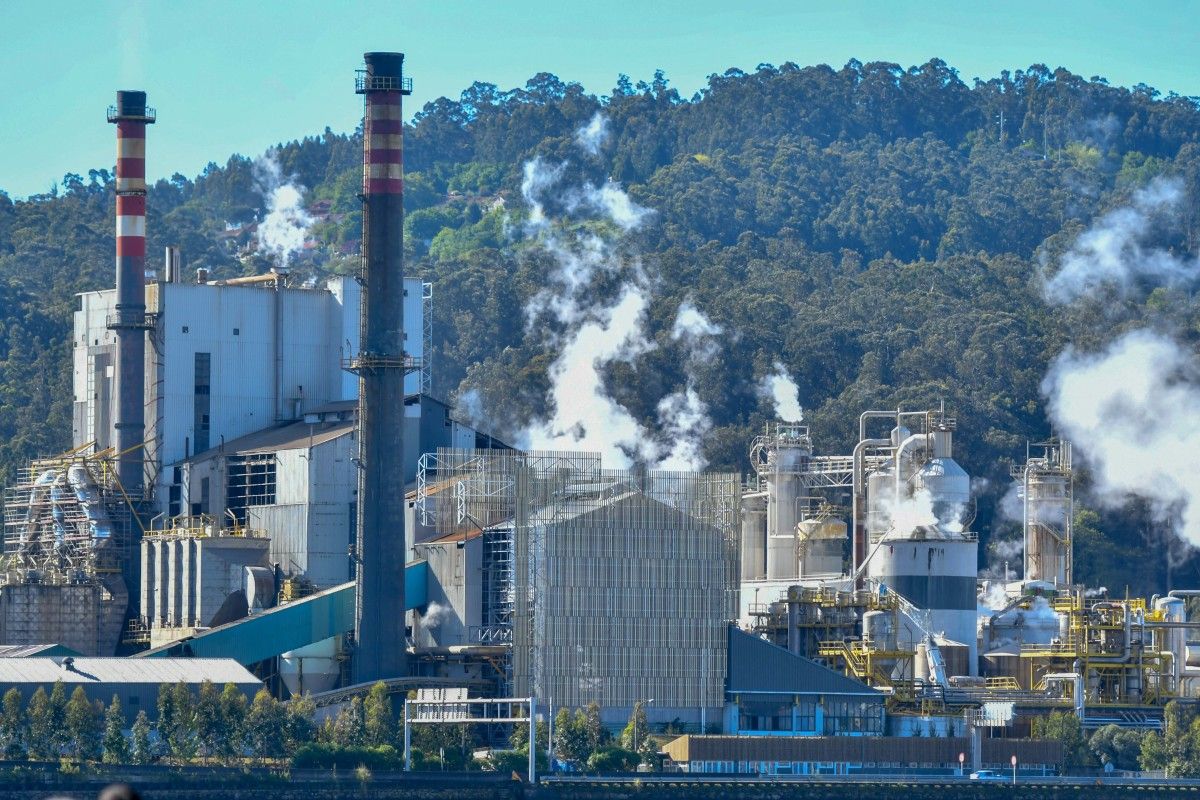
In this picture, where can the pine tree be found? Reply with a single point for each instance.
(167, 715)
(82, 726)
(141, 739)
(14, 727)
(41, 739)
(266, 725)
(58, 718)
(378, 723)
(233, 717)
(116, 746)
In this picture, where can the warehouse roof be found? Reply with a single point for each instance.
(759, 667)
(30, 650)
(293, 436)
(45, 671)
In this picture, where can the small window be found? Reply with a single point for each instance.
(237, 331)
(185, 328)
(95, 341)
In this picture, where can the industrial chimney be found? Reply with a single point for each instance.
(131, 117)
(381, 365)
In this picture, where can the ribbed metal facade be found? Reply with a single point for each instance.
(622, 582)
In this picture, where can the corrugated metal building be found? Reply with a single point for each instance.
(225, 360)
(771, 691)
(841, 755)
(135, 681)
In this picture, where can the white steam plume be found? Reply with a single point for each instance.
(782, 391)
(1115, 253)
(591, 137)
(682, 415)
(1133, 412)
(593, 334)
(282, 232)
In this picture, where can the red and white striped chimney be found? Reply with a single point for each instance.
(129, 323)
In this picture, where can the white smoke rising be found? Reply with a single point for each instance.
(595, 334)
(1133, 411)
(282, 232)
(435, 614)
(591, 137)
(1114, 252)
(782, 391)
(695, 330)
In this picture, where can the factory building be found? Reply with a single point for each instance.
(605, 586)
(227, 359)
(135, 682)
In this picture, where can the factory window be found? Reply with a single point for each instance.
(250, 482)
(237, 331)
(201, 399)
(185, 328)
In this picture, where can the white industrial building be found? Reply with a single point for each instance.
(226, 359)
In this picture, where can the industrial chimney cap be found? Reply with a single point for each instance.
(384, 65)
(131, 105)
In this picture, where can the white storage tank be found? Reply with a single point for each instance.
(937, 576)
(313, 668)
(821, 542)
(754, 536)
(950, 488)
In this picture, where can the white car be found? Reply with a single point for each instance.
(987, 775)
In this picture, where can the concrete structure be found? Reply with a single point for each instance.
(135, 682)
(226, 360)
(381, 363)
(196, 578)
(128, 324)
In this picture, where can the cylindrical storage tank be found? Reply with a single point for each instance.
(938, 576)
(754, 536)
(881, 496)
(821, 543)
(1175, 610)
(1002, 664)
(879, 629)
(783, 506)
(314, 668)
(949, 486)
(959, 657)
(921, 662)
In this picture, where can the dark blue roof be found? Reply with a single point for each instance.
(756, 665)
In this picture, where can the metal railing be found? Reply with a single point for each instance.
(148, 115)
(381, 83)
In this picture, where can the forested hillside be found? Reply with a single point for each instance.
(877, 230)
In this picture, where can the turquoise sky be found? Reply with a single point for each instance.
(239, 76)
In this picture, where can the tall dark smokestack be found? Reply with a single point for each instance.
(131, 116)
(381, 363)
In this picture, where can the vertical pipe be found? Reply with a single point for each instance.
(379, 609)
(131, 117)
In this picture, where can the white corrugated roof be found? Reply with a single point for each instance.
(124, 670)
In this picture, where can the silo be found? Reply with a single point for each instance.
(821, 542)
(754, 536)
(938, 577)
(779, 458)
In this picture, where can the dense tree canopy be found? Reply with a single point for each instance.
(879, 230)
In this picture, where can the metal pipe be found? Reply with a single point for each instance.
(858, 544)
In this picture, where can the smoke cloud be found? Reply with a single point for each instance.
(783, 393)
(282, 232)
(1133, 412)
(591, 334)
(591, 137)
(1116, 252)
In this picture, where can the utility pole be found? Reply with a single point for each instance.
(1000, 126)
